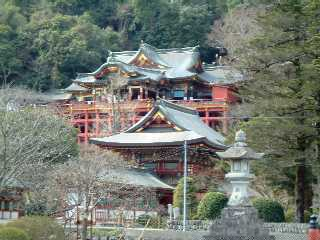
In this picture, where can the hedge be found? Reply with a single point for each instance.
(211, 205)
(10, 233)
(269, 210)
(39, 227)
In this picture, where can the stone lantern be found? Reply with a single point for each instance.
(240, 155)
(239, 220)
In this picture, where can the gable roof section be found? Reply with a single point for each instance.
(186, 119)
(223, 75)
(74, 87)
(190, 128)
(150, 53)
(171, 58)
(135, 177)
(148, 139)
(176, 63)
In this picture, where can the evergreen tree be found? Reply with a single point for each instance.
(283, 101)
(191, 197)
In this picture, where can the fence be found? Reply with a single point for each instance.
(201, 225)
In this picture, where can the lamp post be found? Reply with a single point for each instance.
(185, 174)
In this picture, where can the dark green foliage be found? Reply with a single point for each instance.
(11, 233)
(43, 45)
(191, 197)
(211, 205)
(143, 219)
(39, 227)
(153, 222)
(282, 92)
(269, 210)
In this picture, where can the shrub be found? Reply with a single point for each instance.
(269, 210)
(39, 227)
(211, 205)
(10, 233)
(143, 219)
(154, 222)
(191, 197)
(290, 215)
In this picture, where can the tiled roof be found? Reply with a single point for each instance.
(175, 63)
(137, 139)
(74, 87)
(193, 129)
(135, 177)
(220, 75)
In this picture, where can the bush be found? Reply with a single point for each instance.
(290, 215)
(269, 210)
(10, 233)
(143, 219)
(154, 222)
(39, 227)
(211, 205)
(191, 197)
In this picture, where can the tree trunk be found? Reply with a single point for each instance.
(84, 229)
(300, 191)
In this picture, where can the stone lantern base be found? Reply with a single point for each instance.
(238, 223)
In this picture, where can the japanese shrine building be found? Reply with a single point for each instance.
(156, 142)
(137, 78)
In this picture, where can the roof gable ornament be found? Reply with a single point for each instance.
(110, 57)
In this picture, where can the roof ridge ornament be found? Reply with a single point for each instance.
(196, 48)
(110, 56)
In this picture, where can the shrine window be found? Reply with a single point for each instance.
(150, 166)
(171, 165)
(82, 128)
(178, 94)
(215, 114)
(88, 99)
(6, 205)
(202, 114)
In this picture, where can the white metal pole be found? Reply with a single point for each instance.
(185, 174)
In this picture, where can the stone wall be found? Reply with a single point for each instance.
(158, 234)
(200, 225)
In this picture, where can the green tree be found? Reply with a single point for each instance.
(65, 45)
(191, 197)
(12, 51)
(280, 93)
(211, 205)
(269, 210)
(164, 24)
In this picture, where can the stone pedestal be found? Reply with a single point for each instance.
(238, 223)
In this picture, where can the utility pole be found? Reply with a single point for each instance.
(185, 174)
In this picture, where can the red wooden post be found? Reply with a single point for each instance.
(314, 234)
(86, 127)
(314, 230)
(97, 123)
(206, 116)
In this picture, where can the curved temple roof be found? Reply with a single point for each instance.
(174, 63)
(191, 129)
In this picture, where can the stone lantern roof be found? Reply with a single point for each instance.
(240, 150)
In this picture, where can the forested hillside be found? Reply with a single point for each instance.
(43, 44)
